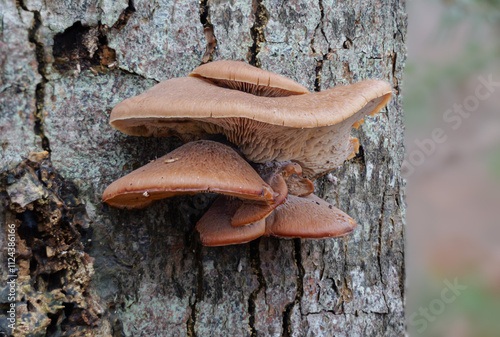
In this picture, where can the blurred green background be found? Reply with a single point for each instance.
(453, 186)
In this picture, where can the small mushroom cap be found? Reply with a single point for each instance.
(201, 166)
(215, 225)
(244, 77)
(252, 211)
(309, 218)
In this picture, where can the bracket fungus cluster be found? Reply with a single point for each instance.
(285, 137)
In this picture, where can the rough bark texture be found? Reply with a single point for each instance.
(67, 63)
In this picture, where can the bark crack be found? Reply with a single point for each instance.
(322, 21)
(257, 31)
(125, 16)
(198, 262)
(395, 81)
(346, 290)
(318, 70)
(255, 264)
(208, 29)
(319, 65)
(379, 250)
(287, 313)
(42, 66)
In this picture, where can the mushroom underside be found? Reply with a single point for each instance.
(317, 150)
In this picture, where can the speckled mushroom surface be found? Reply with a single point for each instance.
(310, 129)
(201, 166)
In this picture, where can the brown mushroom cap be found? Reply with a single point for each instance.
(308, 217)
(274, 174)
(179, 99)
(299, 217)
(215, 225)
(244, 77)
(311, 129)
(202, 166)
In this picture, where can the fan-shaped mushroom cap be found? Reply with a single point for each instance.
(215, 225)
(202, 166)
(311, 129)
(276, 175)
(299, 217)
(244, 77)
(308, 218)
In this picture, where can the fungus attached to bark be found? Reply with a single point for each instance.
(244, 77)
(299, 217)
(275, 122)
(276, 175)
(308, 217)
(311, 129)
(202, 166)
(215, 225)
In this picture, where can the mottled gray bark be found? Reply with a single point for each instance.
(67, 63)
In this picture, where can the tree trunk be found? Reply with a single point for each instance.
(66, 64)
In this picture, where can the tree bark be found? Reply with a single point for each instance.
(66, 64)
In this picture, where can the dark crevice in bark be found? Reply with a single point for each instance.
(319, 65)
(257, 31)
(255, 265)
(287, 313)
(317, 80)
(379, 250)
(40, 87)
(208, 29)
(198, 262)
(346, 291)
(322, 21)
(130, 72)
(347, 43)
(360, 158)
(395, 81)
(83, 47)
(319, 71)
(125, 16)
